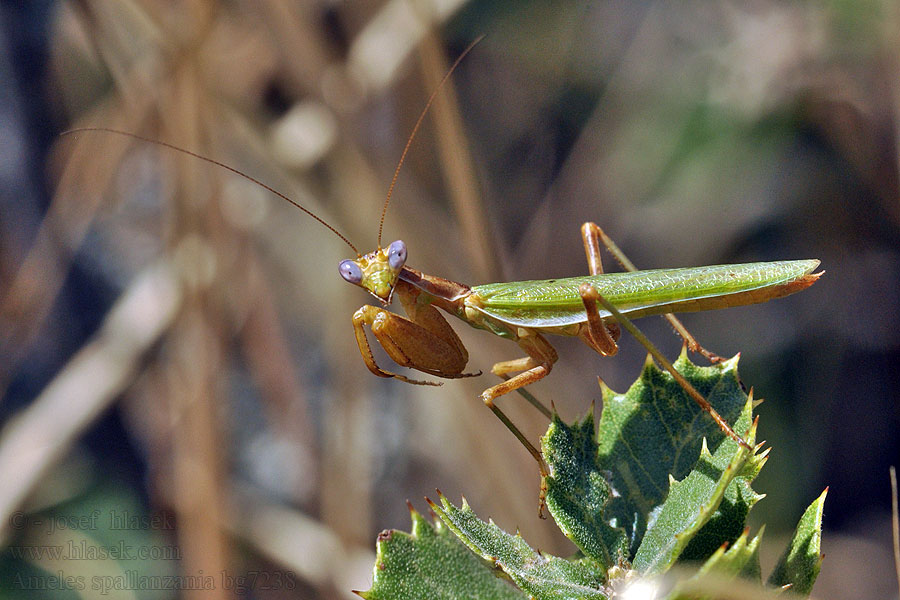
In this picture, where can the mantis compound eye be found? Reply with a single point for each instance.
(397, 254)
(350, 271)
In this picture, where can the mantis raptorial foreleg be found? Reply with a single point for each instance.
(376, 318)
(424, 342)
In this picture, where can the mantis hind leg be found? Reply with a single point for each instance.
(597, 334)
(593, 236)
(590, 296)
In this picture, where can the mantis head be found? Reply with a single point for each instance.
(378, 271)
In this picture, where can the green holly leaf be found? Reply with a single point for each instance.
(540, 576)
(430, 563)
(740, 559)
(658, 484)
(715, 578)
(690, 505)
(799, 565)
(729, 521)
(655, 432)
(577, 491)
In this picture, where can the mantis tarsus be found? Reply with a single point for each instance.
(590, 307)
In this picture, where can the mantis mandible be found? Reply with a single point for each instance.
(590, 307)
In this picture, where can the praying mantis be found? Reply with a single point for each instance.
(591, 307)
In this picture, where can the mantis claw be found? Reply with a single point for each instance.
(417, 381)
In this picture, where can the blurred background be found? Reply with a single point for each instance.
(181, 389)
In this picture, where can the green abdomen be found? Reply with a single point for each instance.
(554, 303)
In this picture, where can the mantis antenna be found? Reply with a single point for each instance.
(415, 129)
(387, 200)
(218, 164)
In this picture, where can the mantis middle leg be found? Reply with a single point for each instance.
(534, 367)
